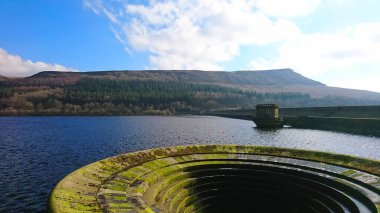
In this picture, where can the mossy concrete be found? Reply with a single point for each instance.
(156, 180)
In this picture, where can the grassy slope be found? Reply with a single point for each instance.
(218, 90)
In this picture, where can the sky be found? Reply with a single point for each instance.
(336, 42)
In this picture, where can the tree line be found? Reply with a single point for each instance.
(105, 96)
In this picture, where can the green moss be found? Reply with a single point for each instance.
(115, 185)
(82, 207)
(148, 210)
(163, 168)
(348, 172)
(119, 198)
(121, 205)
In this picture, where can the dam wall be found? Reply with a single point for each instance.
(336, 111)
(362, 126)
(363, 120)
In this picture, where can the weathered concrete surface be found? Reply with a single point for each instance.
(364, 120)
(173, 179)
(363, 126)
(336, 111)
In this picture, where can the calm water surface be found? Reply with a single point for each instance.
(36, 152)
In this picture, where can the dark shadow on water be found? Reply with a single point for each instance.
(266, 130)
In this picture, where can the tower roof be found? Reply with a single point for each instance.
(267, 106)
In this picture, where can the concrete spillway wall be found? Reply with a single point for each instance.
(221, 178)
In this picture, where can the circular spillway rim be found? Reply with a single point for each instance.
(79, 191)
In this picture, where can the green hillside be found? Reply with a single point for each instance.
(166, 92)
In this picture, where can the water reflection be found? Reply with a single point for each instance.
(39, 151)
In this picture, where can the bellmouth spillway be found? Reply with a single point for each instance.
(221, 178)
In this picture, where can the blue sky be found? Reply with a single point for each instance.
(336, 42)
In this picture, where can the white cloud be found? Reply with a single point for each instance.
(204, 34)
(15, 66)
(317, 53)
(364, 79)
(321, 56)
(288, 8)
(199, 34)
(98, 8)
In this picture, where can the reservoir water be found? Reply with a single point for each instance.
(36, 152)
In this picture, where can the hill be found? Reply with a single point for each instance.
(167, 92)
(280, 77)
